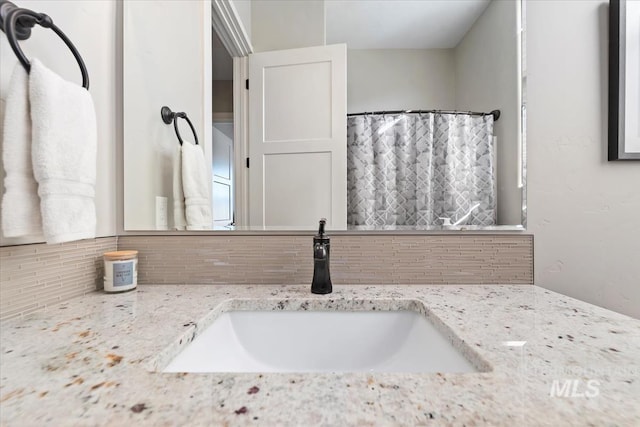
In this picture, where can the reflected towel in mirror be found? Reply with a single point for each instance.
(179, 220)
(195, 185)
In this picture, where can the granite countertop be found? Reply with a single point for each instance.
(90, 361)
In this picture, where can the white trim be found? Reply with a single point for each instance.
(519, 154)
(207, 97)
(241, 139)
(229, 27)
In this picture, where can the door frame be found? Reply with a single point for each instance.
(241, 140)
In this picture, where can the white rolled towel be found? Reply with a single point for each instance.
(20, 201)
(195, 184)
(179, 220)
(64, 155)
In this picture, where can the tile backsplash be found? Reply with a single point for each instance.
(372, 259)
(36, 276)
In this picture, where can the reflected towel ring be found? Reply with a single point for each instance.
(169, 116)
(29, 18)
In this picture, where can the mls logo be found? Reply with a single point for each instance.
(575, 388)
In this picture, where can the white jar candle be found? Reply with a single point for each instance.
(120, 271)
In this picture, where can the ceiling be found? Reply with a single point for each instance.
(384, 24)
(400, 24)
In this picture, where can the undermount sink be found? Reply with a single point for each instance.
(320, 341)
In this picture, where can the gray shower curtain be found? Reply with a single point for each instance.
(411, 169)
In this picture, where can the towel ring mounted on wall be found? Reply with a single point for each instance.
(169, 116)
(17, 23)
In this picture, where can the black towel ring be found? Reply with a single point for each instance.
(169, 116)
(29, 18)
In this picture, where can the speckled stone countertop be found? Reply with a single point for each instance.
(90, 361)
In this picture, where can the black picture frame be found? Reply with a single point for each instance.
(617, 63)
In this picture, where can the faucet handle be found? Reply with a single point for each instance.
(322, 223)
(445, 221)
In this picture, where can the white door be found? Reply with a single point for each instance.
(298, 137)
(222, 168)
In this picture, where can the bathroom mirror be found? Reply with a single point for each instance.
(377, 115)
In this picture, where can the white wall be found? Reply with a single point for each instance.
(583, 210)
(286, 24)
(92, 27)
(167, 61)
(400, 79)
(487, 77)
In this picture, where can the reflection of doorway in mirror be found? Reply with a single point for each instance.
(222, 171)
(222, 137)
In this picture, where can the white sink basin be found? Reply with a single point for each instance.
(320, 341)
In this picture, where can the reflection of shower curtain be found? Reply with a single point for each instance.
(411, 169)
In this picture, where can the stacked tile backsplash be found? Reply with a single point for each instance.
(372, 259)
(36, 276)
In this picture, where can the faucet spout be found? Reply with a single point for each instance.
(321, 283)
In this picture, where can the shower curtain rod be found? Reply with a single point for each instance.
(494, 113)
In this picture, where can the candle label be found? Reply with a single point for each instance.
(123, 274)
